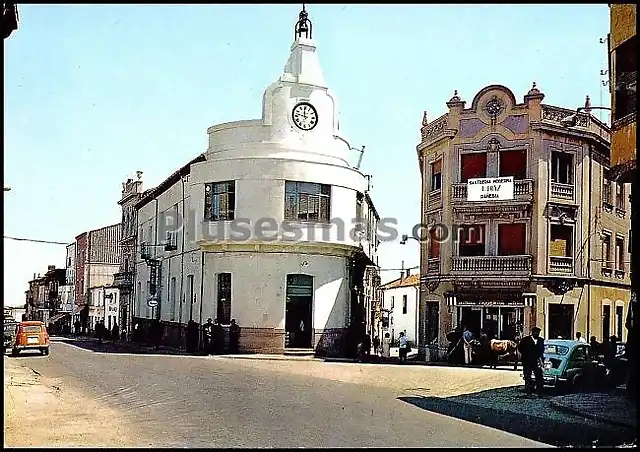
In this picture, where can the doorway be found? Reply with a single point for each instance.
(560, 321)
(472, 319)
(432, 318)
(299, 312)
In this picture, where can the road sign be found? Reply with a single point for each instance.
(152, 302)
(490, 189)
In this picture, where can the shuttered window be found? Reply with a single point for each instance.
(512, 239)
(220, 201)
(513, 163)
(473, 165)
(306, 201)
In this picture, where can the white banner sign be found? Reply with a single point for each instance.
(490, 189)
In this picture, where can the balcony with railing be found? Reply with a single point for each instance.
(123, 280)
(434, 199)
(519, 265)
(561, 264)
(562, 191)
(522, 191)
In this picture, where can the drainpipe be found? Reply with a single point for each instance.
(417, 307)
(201, 288)
(184, 229)
(158, 277)
(589, 245)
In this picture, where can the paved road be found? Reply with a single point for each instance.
(185, 401)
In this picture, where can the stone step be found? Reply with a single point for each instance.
(299, 351)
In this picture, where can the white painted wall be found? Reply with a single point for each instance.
(397, 320)
(260, 156)
(100, 274)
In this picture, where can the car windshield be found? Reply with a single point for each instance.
(31, 329)
(553, 349)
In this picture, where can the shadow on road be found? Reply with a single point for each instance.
(116, 347)
(511, 410)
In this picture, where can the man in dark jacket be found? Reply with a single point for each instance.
(218, 337)
(208, 337)
(234, 336)
(531, 350)
(192, 336)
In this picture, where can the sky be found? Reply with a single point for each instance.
(93, 93)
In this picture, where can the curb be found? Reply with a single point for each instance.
(570, 410)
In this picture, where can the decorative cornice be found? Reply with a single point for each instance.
(327, 249)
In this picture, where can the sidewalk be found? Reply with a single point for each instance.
(609, 407)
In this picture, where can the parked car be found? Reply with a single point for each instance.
(569, 363)
(31, 335)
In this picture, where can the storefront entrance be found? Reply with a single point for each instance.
(298, 312)
(561, 321)
(497, 322)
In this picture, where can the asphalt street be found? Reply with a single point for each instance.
(184, 401)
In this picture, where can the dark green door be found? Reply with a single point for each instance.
(298, 312)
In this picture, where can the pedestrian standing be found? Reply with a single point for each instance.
(386, 347)
(192, 336)
(579, 338)
(403, 347)
(207, 334)
(98, 331)
(531, 350)
(234, 337)
(115, 332)
(467, 337)
(218, 337)
(376, 345)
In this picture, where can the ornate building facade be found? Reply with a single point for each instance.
(553, 255)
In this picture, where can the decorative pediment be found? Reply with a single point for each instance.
(481, 211)
(563, 213)
(559, 286)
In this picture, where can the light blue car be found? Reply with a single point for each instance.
(568, 363)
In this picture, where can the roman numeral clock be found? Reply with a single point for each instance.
(304, 116)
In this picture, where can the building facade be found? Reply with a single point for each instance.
(623, 72)
(269, 234)
(124, 278)
(97, 261)
(104, 304)
(400, 300)
(553, 254)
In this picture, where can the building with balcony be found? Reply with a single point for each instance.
(277, 225)
(623, 74)
(123, 279)
(553, 253)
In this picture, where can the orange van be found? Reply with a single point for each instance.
(31, 336)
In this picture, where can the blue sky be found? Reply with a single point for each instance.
(94, 93)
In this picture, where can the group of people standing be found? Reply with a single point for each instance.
(213, 337)
(382, 348)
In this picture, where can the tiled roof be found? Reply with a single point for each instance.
(411, 280)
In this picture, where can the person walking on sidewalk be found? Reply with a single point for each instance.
(467, 337)
(403, 350)
(115, 333)
(531, 350)
(376, 345)
(386, 347)
(207, 333)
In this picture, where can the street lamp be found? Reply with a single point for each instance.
(406, 237)
(570, 120)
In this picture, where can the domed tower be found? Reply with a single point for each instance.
(278, 205)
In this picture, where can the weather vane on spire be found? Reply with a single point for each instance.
(303, 26)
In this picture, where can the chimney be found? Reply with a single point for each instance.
(401, 274)
(408, 272)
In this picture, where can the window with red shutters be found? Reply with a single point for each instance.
(513, 163)
(512, 239)
(434, 245)
(473, 165)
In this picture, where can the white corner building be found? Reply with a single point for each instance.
(270, 237)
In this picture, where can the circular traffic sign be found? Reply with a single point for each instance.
(152, 302)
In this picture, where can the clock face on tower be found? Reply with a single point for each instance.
(305, 116)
